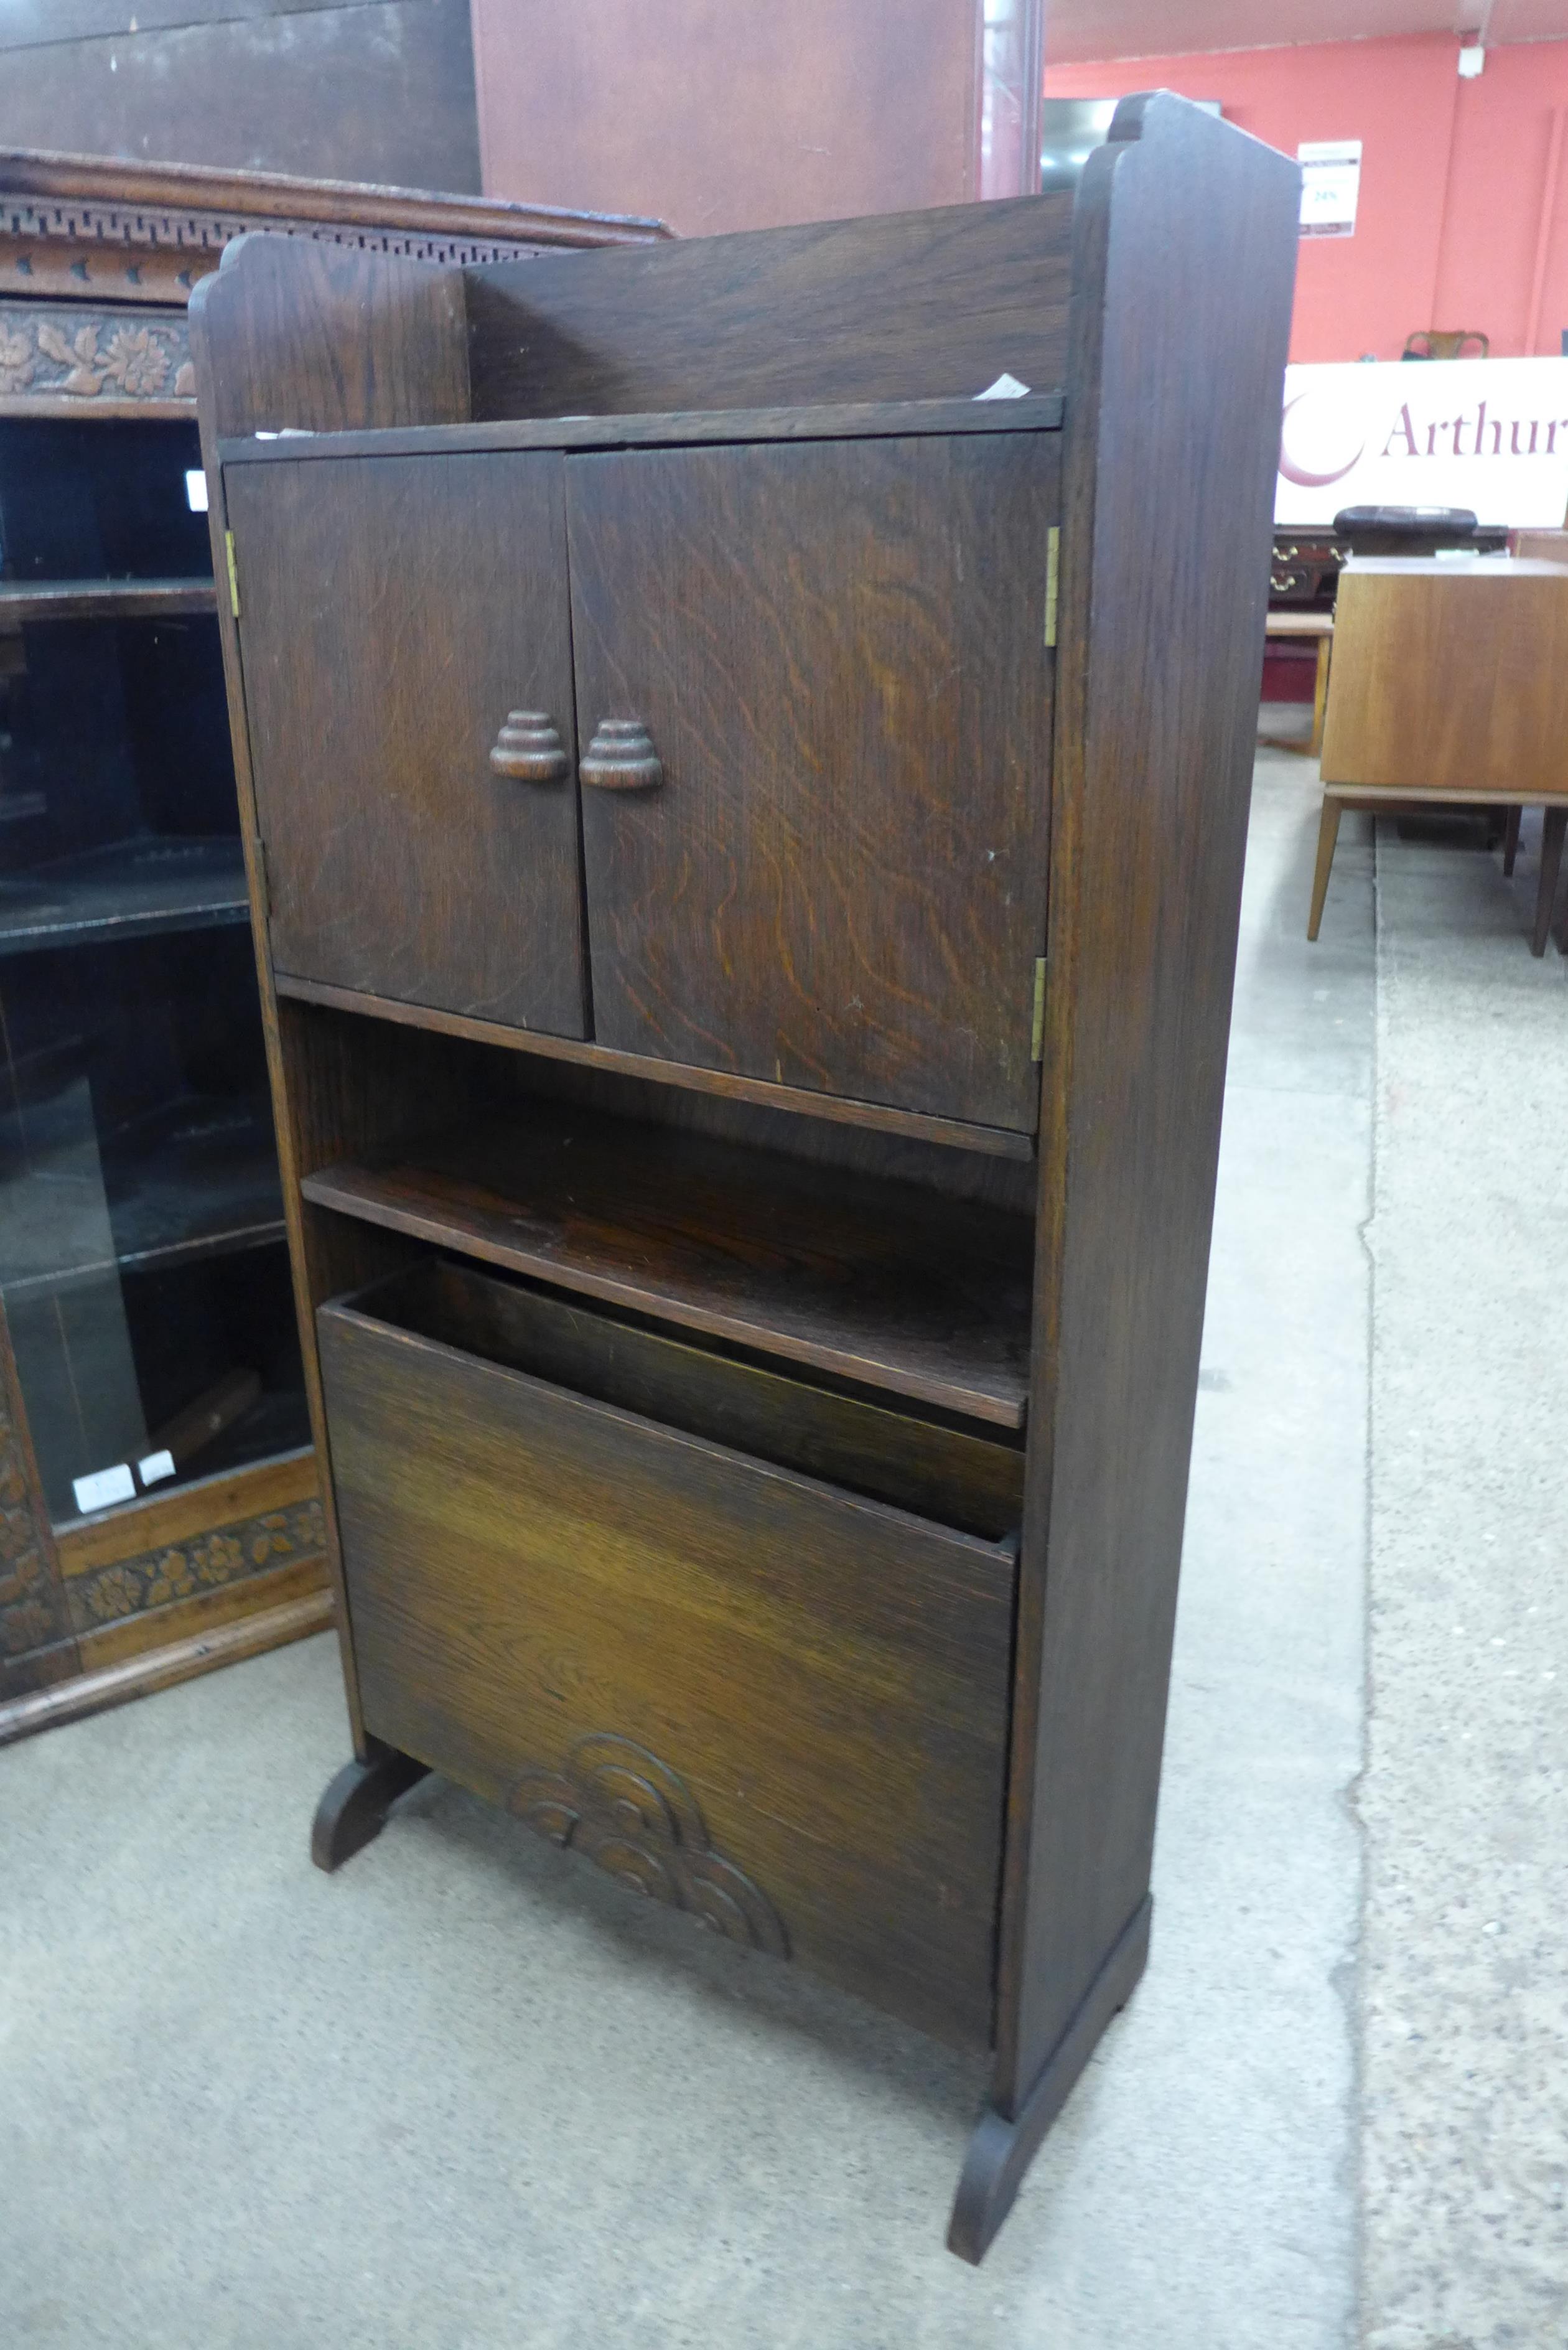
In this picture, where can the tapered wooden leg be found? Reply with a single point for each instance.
(353, 1811)
(1510, 840)
(1327, 834)
(1320, 694)
(1552, 833)
(1002, 2150)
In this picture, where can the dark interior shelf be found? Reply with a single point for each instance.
(127, 889)
(195, 1178)
(871, 1280)
(104, 599)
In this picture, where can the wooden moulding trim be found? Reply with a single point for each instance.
(275, 197)
(1367, 798)
(849, 420)
(61, 403)
(156, 1668)
(83, 1543)
(998, 1142)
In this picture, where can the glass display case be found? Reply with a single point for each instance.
(160, 1504)
(142, 1266)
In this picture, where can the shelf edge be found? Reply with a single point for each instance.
(840, 1110)
(350, 1190)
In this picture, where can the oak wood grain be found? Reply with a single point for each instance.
(1186, 246)
(876, 1282)
(377, 680)
(992, 1141)
(904, 306)
(876, 419)
(929, 1466)
(528, 1569)
(838, 653)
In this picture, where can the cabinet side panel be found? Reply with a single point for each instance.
(1187, 239)
(290, 332)
(295, 332)
(904, 306)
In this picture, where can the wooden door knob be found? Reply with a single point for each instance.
(621, 757)
(529, 749)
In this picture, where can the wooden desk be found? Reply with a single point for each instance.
(1451, 685)
(1319, 626)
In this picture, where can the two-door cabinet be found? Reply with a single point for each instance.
(746, 836)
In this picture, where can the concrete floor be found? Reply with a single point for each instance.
(466, 2094)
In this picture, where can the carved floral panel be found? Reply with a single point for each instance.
(183, 1570)
(49, 350)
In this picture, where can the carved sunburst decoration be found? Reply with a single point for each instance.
(639, 1822)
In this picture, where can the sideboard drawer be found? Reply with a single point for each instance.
(753, 1693)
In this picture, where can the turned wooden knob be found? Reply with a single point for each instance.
(621, 757)
(529, 748)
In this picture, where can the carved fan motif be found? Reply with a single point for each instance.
(640, 1823)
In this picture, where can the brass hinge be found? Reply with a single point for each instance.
(263, 879)
(233, 575)
(1053, 575)
(1037, 1031)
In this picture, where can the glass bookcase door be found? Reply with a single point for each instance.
(143, 1264)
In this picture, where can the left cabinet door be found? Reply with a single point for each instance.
(397, 614)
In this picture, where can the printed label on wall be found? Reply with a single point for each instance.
(1489, 434)
(1331, 182)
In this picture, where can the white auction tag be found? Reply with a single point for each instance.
(156, 1465)
(103, 1487)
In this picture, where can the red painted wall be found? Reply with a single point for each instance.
(1463, 212)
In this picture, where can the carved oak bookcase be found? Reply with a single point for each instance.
(158, 1507)
(747, 840)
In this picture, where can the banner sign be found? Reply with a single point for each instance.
(1489, 434)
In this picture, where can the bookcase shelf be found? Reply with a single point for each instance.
(192, 1179)
(870, 1280)
(31, 600)
(125, 889)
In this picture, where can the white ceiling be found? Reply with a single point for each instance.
(1083, 29)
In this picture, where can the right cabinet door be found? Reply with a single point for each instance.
(833, 875)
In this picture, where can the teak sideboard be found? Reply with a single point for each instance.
(746, 840)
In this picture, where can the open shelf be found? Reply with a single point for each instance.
(192, 1178)
(103, 599)
(871, 1280)
(126, 890)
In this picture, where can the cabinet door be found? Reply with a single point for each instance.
(838, 652)
(394, 612)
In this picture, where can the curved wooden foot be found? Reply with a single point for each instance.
(1001, 2151)
(353, 1811)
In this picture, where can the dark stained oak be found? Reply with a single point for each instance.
(823, 1678)
(380, 672)
(876, 1282)
(904, 306)
(354, 1807)
(1186, 247)
(873, 419)
(836, 655)
(291, 335)
(928, 1465)
(691, 1539)
(992, 1141)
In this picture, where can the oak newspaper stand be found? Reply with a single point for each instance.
(746, 840)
